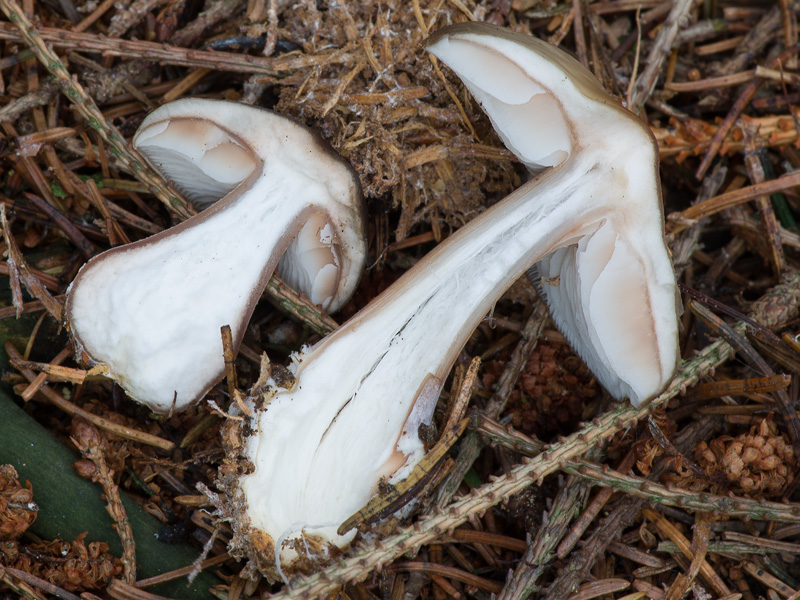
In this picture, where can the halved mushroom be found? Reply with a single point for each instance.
(151, 311)
(593, 217)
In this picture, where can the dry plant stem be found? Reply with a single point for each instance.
(473, 536)
(33, 388)
(37, 582)
(658, 54)
(507, 436)
(90, 444)
(592, 510)
(23, 589)
(84, 246)
(342, 86)
(736, 197)
(711, 83)
(214, 12)
(230, 361)
(13, 268)
(735, 387)
(380, 553)
(185, 84)
(540, 552)
(757, 542)
(756, 173)
(18, 106)
(687, 243)
(602, 587)
(87, 108)
(20, 271)
(53, 372)
(703, 30)
(727, 124)
(717, 47)
(733, 114)
(720, 548)
(769, 580)
(682, 583)
(472, 444)
(580, 38)
(455, 150)
(530, 335)
(114, 232)
(300, 307)
(182, 572)
(450, 572)
(71, 409)
(47, 281)
(730, 506)
(130, 16)
(638, 556)
(119, 590)
(781, 304)
(27, 308)
(789, 30)
(28, 166)
(92, 17)
(455, 412)
(175, 55)
(667, 529)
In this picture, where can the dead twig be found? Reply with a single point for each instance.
(88, 441)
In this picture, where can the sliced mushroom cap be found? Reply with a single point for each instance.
(612, 292)
(151, 311)
(320, 450)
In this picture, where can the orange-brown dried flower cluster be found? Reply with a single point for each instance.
(17, 510)
(74, 567)
(760, 463)
(552, 390)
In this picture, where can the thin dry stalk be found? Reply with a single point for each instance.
(87, 439)
(73, 410)
(662, 48)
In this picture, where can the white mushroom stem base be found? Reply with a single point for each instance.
(315, 454)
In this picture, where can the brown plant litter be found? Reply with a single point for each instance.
(553, 492)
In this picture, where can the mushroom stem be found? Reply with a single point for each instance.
(353, 409)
